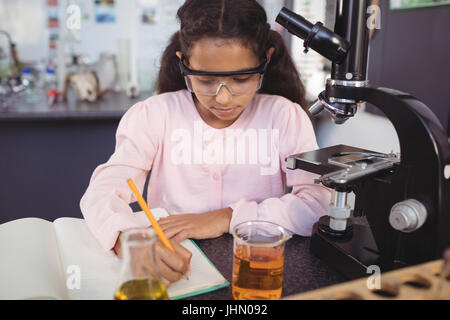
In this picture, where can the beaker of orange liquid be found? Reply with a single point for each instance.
(258, 260)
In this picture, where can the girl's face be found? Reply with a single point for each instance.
(220, 55)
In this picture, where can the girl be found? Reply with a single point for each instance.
(215, 137)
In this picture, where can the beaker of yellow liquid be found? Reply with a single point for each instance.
(139, 277)
(258, 260)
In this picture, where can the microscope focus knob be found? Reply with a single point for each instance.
(408, 215)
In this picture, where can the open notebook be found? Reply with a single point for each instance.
(39, 259)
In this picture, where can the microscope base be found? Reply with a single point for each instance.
(350, 254)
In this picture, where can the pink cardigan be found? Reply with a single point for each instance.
(197, 168)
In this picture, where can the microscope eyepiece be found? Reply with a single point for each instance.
(315, 36)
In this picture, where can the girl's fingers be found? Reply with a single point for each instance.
(175, 218)
(181, 236)
(174, 261)
(168, 264)
(185, 253)
(178, 235)
(172, 224)
(170, 218)
(167, 272)
(163, 221)
(173, 231)
(173, 228)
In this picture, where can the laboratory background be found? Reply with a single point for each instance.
(57, 123)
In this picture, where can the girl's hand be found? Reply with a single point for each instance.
(197, 226)
(172, 266)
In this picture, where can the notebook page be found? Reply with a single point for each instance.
(97, 270)
(30, 263)
(100, 271)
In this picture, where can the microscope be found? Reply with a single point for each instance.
(401, 215)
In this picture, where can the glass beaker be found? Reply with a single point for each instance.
(139, 277)
(258, 260)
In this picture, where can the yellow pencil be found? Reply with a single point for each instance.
(150, 217)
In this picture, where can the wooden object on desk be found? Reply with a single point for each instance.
(420, 282)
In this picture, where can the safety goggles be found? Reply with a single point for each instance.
(237, 82)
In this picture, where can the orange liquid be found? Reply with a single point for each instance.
(257, 273)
